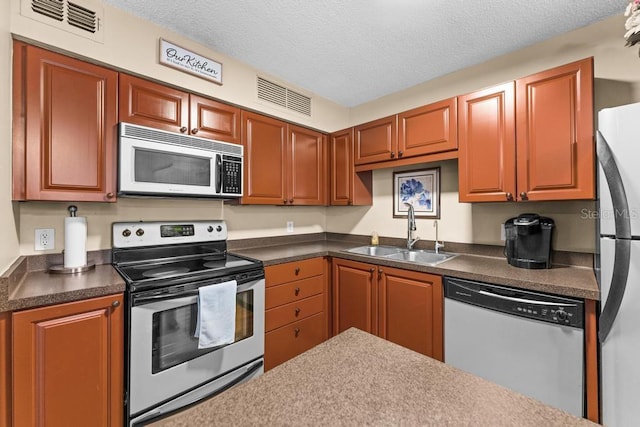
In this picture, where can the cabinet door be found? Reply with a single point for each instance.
(411, 310)
(308, 162)
(5, 369)
(151, 104)
(68, 364)
(214, 120)
(486, 135)
(428, 129)
(355, 300)
(265, 142)
(376, 141)
(347, 186)
(555, 133)
(70, 113)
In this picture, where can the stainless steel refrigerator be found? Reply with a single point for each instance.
(618, 263)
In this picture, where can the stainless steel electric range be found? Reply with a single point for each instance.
(164, 265)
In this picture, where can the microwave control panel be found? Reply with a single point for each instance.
(232, 175)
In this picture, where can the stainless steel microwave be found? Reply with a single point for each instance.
(154, 162)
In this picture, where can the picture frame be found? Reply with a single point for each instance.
(174, 56)
(420, 188)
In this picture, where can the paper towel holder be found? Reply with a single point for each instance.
(61, 269)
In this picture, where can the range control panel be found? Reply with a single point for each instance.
(135, 234)
(518, 302)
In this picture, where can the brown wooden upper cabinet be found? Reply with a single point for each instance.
(284, 164)
(421, 131)
(64, 127)
(347, 186)
(155, 105)
(531, 139)
(429, 129)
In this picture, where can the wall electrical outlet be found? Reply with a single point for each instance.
(45, 239)
(503, 236)
(289, 226)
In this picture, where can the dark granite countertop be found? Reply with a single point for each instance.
(26, 286)
(358, 379)
(563, 280)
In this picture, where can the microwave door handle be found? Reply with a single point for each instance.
(219, 172)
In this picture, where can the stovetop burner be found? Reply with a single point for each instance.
(164, 271)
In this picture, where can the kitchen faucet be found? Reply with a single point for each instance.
(437, 244)
(411, 226)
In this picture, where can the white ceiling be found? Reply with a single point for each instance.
(355, 51)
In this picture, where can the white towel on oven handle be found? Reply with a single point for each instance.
(216, 324)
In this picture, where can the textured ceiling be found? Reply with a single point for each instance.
(355, 51)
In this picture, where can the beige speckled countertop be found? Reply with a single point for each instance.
(561, 279)
(358, 379)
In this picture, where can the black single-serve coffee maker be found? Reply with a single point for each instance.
(528, 241)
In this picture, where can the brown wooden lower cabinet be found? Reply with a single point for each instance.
(68, 364)
(404, 307)
(5, 369)
(297, 307)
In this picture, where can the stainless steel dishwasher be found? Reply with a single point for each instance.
(526, 341)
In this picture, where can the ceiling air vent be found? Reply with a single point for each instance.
(283, 96)
(80, 17)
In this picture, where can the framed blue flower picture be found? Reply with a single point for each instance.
(419, 188)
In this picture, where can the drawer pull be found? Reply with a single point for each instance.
(115, 304)
(297, 291)
(297, 271)
(297, 331)
(297, 311)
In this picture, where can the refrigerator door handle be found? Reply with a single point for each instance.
(621, 261)
(621, 212)
(622, 256)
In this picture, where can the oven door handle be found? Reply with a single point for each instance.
(138, 300)
(155, 298)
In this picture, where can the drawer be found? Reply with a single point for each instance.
(289, 341)
(294, 291)
(280, 316)
(283, 273)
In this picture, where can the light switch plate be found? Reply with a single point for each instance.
(45, 239)
(502, 233)
(289, 226)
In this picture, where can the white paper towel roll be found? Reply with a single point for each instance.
(75, 241)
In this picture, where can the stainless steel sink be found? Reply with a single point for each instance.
(421, 256)
(381, 251)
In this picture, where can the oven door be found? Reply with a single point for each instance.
(154, 168)
(165, 361)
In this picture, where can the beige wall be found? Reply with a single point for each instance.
(131, 44)
(8, 221)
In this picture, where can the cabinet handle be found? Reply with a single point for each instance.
(297, 271)
(297, 311)
(284, 201)
(350, 202)
(110, 195)
(371, 270)
(194, 131)
(400, 153)
(523, 196)
(380, 273)
(183, 129)
(115, 304)
(297, 291)
(509, 197)
(290, 200)
(297, 331)
(393, 154)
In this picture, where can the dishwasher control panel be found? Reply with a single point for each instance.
(518, 302)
